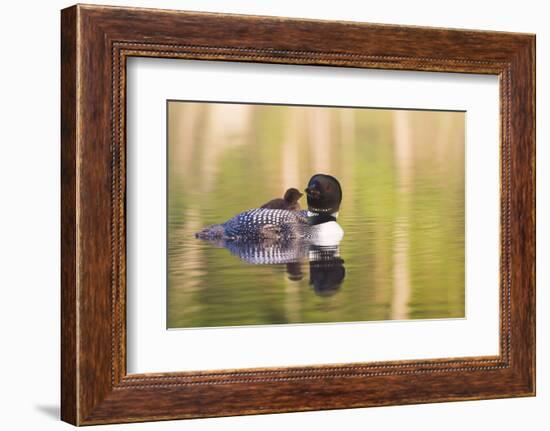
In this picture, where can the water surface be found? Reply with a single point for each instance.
(402, 175)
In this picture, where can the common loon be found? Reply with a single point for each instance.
(316, 225)
(288, 202)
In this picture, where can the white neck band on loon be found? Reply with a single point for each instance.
(311, 214)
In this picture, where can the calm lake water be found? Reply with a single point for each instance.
(402, 175)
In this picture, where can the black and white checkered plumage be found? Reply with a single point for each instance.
(324, 196)
(260, 223)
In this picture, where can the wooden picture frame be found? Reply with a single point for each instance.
(95, 43)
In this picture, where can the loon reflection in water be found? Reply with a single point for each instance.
(326, 267)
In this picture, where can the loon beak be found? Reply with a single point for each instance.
(312, 192)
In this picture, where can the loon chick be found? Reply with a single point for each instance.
(289, 201)
(318, 224)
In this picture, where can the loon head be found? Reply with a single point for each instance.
(324, 194)
(292, 195)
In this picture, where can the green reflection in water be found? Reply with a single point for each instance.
(402, 174)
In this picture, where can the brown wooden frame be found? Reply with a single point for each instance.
(95, 43)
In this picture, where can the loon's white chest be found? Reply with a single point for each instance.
(327, 234)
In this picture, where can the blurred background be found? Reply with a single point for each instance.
(403, 211)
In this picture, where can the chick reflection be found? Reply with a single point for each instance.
(326, 267)
(294, 271)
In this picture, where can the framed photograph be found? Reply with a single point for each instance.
(264, 214)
